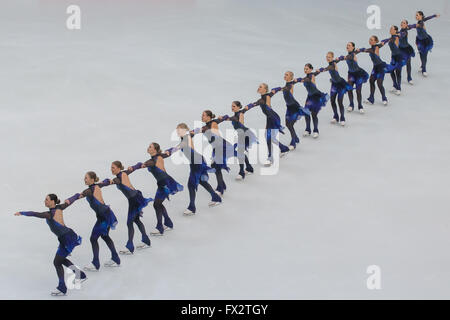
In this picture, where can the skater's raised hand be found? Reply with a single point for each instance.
(131, 169)
(17, 214)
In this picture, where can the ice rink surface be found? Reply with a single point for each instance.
(375, 192)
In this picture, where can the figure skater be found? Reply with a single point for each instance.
(166, 186)
(198, 169)
(314, 101)
(339, 87)
(106, 220)
(136, 203)
(356, 76)
(67, 238)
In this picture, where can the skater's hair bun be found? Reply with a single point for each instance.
(406, 21)
(331, 52)
(237, 104)
(54, 197)
(156, 146)
(209, 114)
(352, 43)
(118, 164)
(421, 13)
(395, 27)
(93, 176)
(375, 38)
(182, 126)
(309, 65)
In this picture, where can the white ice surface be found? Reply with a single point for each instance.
(374, 192)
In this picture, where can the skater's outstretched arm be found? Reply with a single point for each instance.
(69, 201)
(431, 17)
(42, 215)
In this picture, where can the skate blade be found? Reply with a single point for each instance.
(143, 247)
(111, 265)
(214, 204)
(57, 294)
(126, 253)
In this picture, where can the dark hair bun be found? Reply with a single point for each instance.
(54, 197)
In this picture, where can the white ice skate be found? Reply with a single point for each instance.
(239, 178)
(315, 135)
(57, 293)
(214, 203)
(248, 172)
(291, 148)
(342, 123)
(333, 121)
(111, 264)
(91, 268)
(282, 154)
(143, 246)
(156, 233)
(349, 109)
(425, 74)
(125, 252)
(188, 212)
(411, 82)
(306, 134)
(398, 92)
(385, 102)
(361, 111)
(267, 163)
(393, 90)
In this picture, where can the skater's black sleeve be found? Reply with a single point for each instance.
(429, 17)
(150, 163)
(42, 215)
(71, 200)
(87, 193)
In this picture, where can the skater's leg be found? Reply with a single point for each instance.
(58, 263)
(141, 227)
(341, 107)
(157, 205)
(214, 196)
(220, 183)
(372, 86)
(167, 221)
(381, 88)
(398, 74)
(290, 126)
(408, 69)
(350, 94)
(269, 142)
(192, 194)
(394, 79)
(315, 121)
(359, 96)
(248, 166)
(423, 59)
(308, 123)
(110, 243)
(130, 227)
(334, 106)
(95, 248)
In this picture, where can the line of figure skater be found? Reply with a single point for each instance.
(222, 150)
